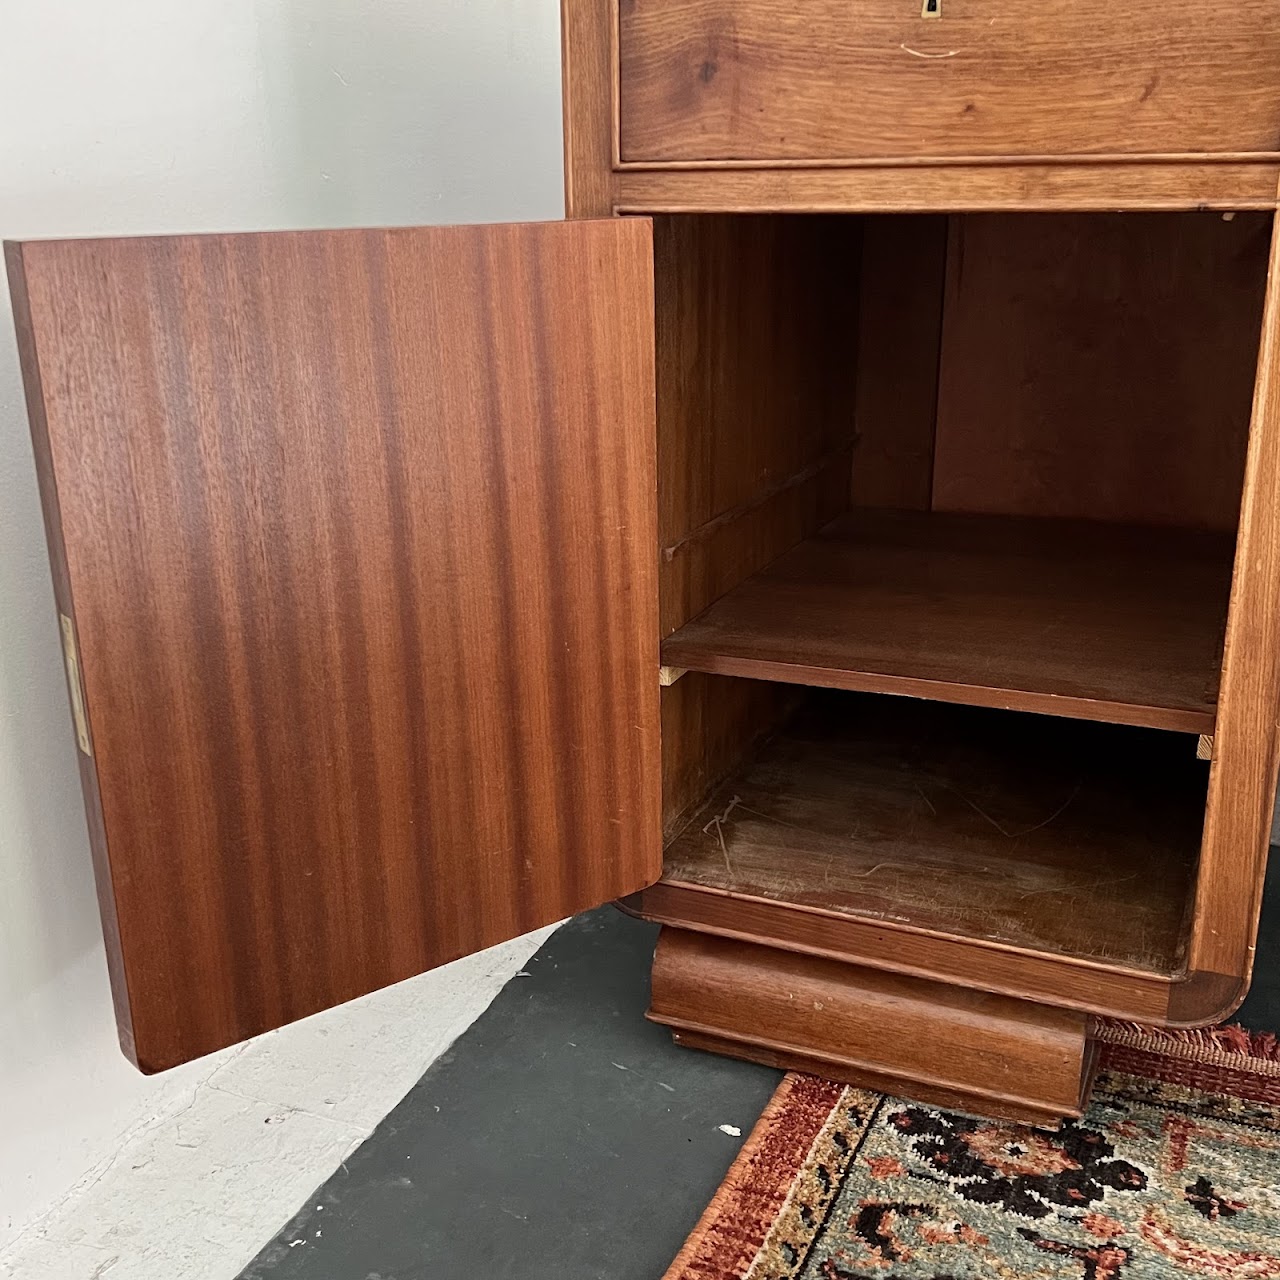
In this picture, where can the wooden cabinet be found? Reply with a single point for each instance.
(852, 540)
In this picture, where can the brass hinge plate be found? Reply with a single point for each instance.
(71, 656)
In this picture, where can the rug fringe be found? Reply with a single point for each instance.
(1230, 1046)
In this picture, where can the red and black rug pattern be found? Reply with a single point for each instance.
(1173, 1171)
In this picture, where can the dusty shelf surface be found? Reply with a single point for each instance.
(1056, 835)
(1103, 622)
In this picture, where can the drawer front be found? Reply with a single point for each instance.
(824, 80)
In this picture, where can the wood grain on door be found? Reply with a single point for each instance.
(357, 532)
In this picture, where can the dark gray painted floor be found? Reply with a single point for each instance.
(562, 1136)
(1261, 1009)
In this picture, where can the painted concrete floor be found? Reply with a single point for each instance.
(230, 1145)
(562, 1136)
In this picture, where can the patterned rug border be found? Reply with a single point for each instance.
(755, 1190)
(735, 1225)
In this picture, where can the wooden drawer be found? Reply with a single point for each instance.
(824, 80)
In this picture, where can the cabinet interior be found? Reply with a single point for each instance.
(992, 462)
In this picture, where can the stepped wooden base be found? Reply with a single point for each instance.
(966, 1050)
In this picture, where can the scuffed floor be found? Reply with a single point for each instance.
(563, 1137)
(194, 1191)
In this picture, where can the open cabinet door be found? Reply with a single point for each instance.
(353, 538)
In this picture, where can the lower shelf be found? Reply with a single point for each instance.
(1058, 837)
(985, 1054)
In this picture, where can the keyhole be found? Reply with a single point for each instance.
(932, 9)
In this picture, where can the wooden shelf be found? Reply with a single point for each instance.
(1059, 837)
(1096, 621)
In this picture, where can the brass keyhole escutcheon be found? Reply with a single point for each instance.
(932, 9)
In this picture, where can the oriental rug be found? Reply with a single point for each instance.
(1173, 1171)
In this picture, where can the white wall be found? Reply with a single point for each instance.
(135, 116)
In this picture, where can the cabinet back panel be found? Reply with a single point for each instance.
(1099, 366)
(365, 597)
(904, 264)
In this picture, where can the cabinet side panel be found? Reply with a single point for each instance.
(756, 329)
(1242, 778)
(588, 69)
(30, 363)
(710, 724)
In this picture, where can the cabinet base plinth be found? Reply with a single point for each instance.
(942, 1045)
